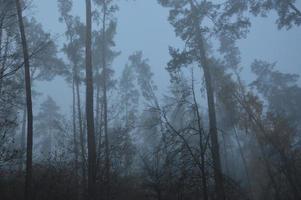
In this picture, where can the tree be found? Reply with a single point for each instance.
(10, 89)
(44, 66)
(287, 10)
(281, 93)
(28, 178)
(48, 126)
(74, 50)
(89, 106)
(281, 90)
(129, 96)
(107, 32)
(289, 14)
(197, 23)
(183, 119)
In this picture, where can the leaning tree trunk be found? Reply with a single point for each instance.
(28, 177)
(89, 106)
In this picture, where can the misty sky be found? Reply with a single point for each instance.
(143, 25)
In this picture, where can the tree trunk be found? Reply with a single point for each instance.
(98, 121)
(98, 166)
(81, 130)
(219, 183)
(107, 151)
(89, 106)
(201, 144)
(97, 103)
(28, 178)
(22, 139)
(218, 177)
(75, 136)
(3, 55)
(244, 160)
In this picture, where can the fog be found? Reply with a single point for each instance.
(160, 99)
(143, 25)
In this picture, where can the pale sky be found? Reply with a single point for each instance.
(143, 25)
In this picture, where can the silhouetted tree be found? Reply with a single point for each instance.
(28, 179)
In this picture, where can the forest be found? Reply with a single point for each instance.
(205, 110)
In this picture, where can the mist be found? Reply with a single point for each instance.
(150, 99)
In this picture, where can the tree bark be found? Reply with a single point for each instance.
(28, 177)
(89, 106)
(1, 65)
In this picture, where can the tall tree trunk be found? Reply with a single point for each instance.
(98, 121)
(217, 169)
(107, 151)
(75, 136)
(28, 178)
(201, 144)
(219, 182)
(89, 106)
(81, 129)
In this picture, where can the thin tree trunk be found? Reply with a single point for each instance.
(201, 143)
(244, 160)
(4, 57)
(81, 131)
(97, 122)
(98, 166)
(75, 136)
(28, 178)
(107, 151)
(22, 139)
(89, 107)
